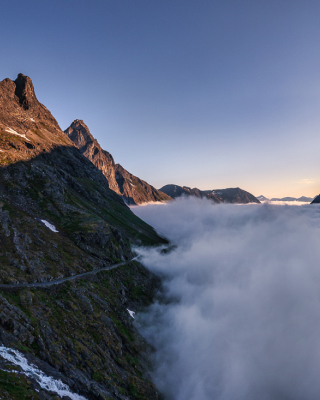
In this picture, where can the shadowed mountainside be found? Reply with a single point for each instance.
(79, 331)
(133, 189)
(316, 200)
(230, 195)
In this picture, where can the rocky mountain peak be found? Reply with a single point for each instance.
(25, 91)
(20, 109)
(79, 133)
(81, 136)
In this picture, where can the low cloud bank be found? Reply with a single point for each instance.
(289, 203)
(242, 316)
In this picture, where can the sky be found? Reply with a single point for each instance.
(207, 94)
(239, 313)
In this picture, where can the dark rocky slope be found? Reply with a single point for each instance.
(79, 331)
(133, 189)
(230, 195)
(316, 200)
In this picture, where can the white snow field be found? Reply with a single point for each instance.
(10, 130)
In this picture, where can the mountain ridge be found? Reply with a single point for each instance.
(229, 195)
(133, 189)
(302, 199)
(59, 218)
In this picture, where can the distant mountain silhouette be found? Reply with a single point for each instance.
(262, 198)
(305, 199)
(302, 199)
(229, 195)
(284, 199)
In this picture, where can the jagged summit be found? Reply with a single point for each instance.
(81, 136)
(80, 133)
(133, 189)
(27, 127)
(25, 91)
(21, 111)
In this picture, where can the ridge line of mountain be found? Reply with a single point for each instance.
(133, 189)
(80, 331)
(228, 195)
(304, 199)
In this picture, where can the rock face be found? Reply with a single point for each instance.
(80, 135)
(230, 195)
(131, 188)
(135, 190)
(80, 330)
(19, 107)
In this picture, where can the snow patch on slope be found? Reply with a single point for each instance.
(48, 225)
(30, 370)
(131, 313)
(10, 130)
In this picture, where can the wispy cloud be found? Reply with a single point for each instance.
(308, 181)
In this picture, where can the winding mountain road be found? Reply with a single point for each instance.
(62, 280)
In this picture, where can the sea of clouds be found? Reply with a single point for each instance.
(239, 318)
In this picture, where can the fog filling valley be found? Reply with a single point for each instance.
(240, 316)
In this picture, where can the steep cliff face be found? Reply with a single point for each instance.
(230, 195)
(58, 218)
(80, 135)
(130, 187)
(20, 109)
(135, 190)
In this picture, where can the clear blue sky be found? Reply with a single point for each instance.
(202, 93)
